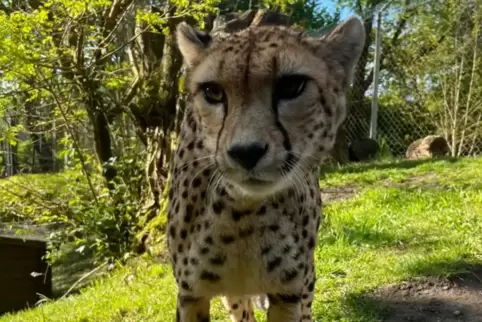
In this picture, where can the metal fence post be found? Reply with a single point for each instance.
(376, 74)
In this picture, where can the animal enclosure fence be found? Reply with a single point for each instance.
(422, 76)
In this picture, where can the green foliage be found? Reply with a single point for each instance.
(385, 151)
(312, 17)
(11, 134)
(104, 219)
(34, 197)
(98, 220)
(155, 229)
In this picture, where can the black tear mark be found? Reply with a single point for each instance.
(225, 111)
(290, 160)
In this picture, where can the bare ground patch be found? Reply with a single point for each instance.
(457, 299)
(346, 192)
(332, 194)
(425, 180)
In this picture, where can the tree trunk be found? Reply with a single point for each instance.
(102, 141)
(44, 151)
(159, 63)
(155, 172)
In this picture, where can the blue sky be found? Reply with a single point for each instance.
(330, 5)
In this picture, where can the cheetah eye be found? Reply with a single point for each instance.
(213, 93)
(290, 87)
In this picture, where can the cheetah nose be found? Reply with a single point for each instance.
(248, 155)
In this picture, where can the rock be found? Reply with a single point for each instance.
(363, 150)
(428, 147)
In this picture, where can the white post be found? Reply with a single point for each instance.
(376, 76)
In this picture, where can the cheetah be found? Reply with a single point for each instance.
(244, 205)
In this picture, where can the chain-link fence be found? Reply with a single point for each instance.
(425, 80)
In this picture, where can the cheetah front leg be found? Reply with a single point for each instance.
(286, 308)
(192, 309)
(308, 292)
(240, 308)
(307, 300)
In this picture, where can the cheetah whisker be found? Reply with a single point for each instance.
(298, 171)
(294, 176)
(298, 181)
(214, 182)
(182, 166)
(199, 172)
(219, 180)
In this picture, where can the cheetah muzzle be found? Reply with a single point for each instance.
(263, 109)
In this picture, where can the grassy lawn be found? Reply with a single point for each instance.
(405, 221)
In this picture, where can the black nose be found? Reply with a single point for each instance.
(248, 155)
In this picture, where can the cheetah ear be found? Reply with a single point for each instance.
(344, 45)
(191, 42)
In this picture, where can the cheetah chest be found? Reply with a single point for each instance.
(237, 253)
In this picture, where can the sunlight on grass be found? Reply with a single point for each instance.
(446, 170)
(430, 227)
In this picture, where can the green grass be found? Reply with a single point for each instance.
(444, 171)
(408, 220)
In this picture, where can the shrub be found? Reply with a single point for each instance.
(90, 215)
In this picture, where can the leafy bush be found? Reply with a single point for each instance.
(89, 214)
(37, 198)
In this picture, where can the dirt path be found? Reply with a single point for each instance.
(458, 299)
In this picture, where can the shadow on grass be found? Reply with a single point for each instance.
(369, 237)
(396, 164)
(68, 269)
(441, 291)
(365, 237)
(444, 269)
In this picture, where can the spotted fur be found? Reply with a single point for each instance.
(244, 202)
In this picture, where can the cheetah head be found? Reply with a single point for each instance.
(269, 99)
